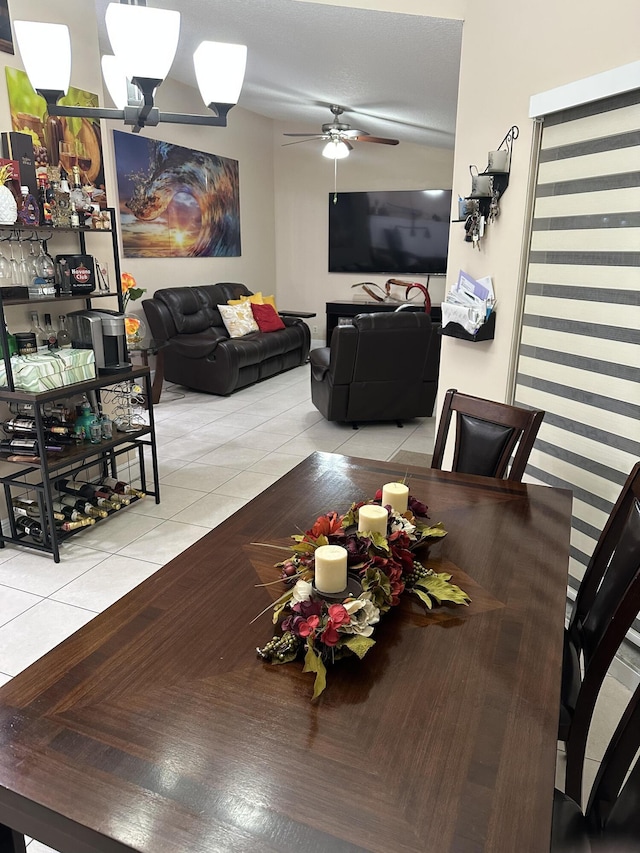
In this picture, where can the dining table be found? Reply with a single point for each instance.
(157, 728)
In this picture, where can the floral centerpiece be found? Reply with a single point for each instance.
(381, 567)
(133, 326)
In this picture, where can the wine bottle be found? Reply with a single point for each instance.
(112, 495)
(87, 490)
(25, 446)
(31, 508)
(84, 506)
(31, 526)
(121, 487)
(72, 514)
(52, 335)
(27, 425)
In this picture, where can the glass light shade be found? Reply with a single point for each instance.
(46, 54)
(116, 81)
(143, 39)
(335, 149)
(220, 71)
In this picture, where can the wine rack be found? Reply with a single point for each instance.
(38, 477)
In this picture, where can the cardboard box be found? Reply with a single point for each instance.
(19, 146)
(45, 370)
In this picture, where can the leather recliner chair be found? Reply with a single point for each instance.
(382, 368)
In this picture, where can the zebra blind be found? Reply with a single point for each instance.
(579, 355)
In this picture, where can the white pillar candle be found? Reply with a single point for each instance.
(372, 519)
(397, 496)
(330, 568)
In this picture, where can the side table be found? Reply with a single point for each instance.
(157, 349)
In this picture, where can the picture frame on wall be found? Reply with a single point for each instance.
(6, 36)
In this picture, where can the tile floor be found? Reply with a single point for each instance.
(216, 453)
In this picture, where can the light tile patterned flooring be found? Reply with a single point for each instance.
(216, 453)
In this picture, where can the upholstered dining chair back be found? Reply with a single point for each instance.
(606, 605)
(487, 434)
(611, 819)
(383, 367)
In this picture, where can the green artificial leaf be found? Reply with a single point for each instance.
(430, 531)
(424, 598)
(441, 590)
(358, 644)
(136, 293)
(313, 663)
(379, 540)
(278, 608)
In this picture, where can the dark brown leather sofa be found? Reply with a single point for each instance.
(382, 368)
(198, 351)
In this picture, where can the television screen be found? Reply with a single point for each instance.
(396, 232)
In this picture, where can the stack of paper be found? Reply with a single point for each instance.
(469, 302)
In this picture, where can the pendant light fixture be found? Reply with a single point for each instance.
(144, 43)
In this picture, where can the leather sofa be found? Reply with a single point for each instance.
(384, 367)
(197, 350)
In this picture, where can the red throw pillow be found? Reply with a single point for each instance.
(267, 318)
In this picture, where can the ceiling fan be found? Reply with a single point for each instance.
(339, 136)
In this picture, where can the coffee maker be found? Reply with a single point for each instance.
(103, 332)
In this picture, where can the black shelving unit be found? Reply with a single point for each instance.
(39, 477)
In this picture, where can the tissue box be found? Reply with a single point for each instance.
(43, 371)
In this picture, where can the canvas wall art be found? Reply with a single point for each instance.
(82, 137)
(176, 202)
(6, 36)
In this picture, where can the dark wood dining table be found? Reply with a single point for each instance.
(156, 728)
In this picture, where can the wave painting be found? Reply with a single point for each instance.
(175, 202)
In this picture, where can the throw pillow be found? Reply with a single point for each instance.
(255, 298)
(238, 319)
(270, 300)
(267, 318)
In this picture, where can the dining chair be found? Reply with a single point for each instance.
(607, 602)
(487, 433)
(611, 820)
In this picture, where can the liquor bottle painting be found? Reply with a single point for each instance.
(174, 201)
(59, 141)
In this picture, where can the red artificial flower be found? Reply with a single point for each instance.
(338, 615)
(325, 525)
(329, 636)
(308, 626)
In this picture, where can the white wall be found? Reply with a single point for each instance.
(303, 181)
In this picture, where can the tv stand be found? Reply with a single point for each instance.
(341, 313)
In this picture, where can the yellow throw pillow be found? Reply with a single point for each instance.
(256, 298)
(238, 319)
(270, 300)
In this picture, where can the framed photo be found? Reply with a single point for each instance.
(6, 36)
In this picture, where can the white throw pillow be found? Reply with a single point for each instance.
(238, 319)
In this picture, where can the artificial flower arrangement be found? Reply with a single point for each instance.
(131, 292)
(380, 568)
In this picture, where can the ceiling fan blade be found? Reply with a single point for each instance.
(298, 141)
(309, 135)
(381, 139)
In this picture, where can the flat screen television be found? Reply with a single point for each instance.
(395, 232)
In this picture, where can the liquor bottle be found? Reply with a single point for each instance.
(46, 216)
(42, 339)
(70, 513)
(83, 422)
(84, 506)
(121, 487)
(25, 424)
(52, 335)
(29, 212)
(88, 491)
(64, 338)
(106, 425)
(79, 196)
(75, 219)
(26, 506)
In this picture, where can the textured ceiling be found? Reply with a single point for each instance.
(396, 75)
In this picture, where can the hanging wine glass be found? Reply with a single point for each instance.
(33, 268)
(44, 264)
(84, 160)
(15, 270)
(23, 268)
(5, 271)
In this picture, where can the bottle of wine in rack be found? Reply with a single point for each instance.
(28, 446)
(71, 514)
(89, 491)
(30, 508)
(122, 488)
(84, 506)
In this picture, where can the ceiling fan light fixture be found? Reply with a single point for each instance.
(144, 40)
(116, 81)
(220, 69)
(335, 149)
(38, 43)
